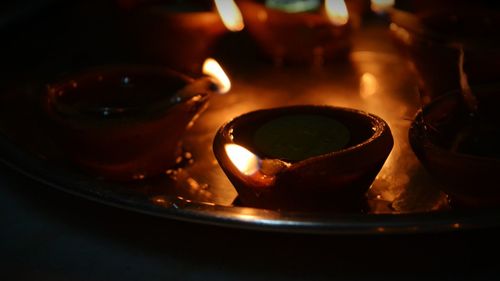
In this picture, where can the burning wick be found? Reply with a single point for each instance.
(337, 12)
(216, 81)
(244, 160)
(230, 14)
(250, 164)
(212, 69)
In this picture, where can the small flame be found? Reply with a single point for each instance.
(337, 11)
(401, 33)
(380, 6)
(244, 160)
(368, 85)
(230, 14)
(213, 69)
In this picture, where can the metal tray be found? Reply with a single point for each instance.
(403, 198)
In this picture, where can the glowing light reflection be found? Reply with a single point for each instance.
(213, 69)
(337, 12)
(244, 160)
(230, 15)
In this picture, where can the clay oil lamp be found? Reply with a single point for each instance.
(307, 157)
(127, 122)
(461, 148)
(445, 45)
(307, 32)
(179, 34)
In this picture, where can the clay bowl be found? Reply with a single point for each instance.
(298, 38)
(461, 151)
(436, 42)
(323, 180)
(124, 122)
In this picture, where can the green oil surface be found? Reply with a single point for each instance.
(294, 6)
(298, 137)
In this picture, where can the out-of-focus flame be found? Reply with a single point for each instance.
(368, 85)
(401, 33)
(337, 11)
(244, 160)
(213, 69)
(230, 14)
(380, 6)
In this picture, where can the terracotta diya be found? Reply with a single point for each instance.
(303, 157)
(125, 122)
(307, 33)
(460, 150)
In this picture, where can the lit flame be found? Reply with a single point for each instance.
(230, 14)
(368, 85)
(213, 69)
(401, 33)
(380, 6)
(337, 11)
(244, 160)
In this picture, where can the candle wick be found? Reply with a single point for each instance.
(198, 87)
(214, 85)
(271, 167)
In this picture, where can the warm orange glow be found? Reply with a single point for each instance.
(379, 6)
(470, 99)
(230, 14)
(368, 85)
(244, 160)
(400, 33)
(213, 69)
(337, 11)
